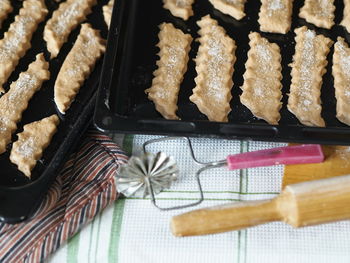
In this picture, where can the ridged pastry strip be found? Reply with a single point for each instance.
(107, 12)
(346, 15)
(308, 67)
(17, 39)
(275, 16)
(65, 19)
(32, 142)
(341, 74)
(5, 9)
(318, 12)
(262, 80)
(15, 101)
(234, 8)
(179, 8)
(174, 47)
(77, 66)
(214, 66)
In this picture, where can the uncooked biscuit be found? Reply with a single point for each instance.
(179, 8)
(77, 66)
(15, 101)
(275, 16)
(17, 39)
(318, 12)
(346, 15)
(341, 74)
(214, 66)
(174, 46)
(5, 9)
(308, 66)
(67, 17)
(262, 80)
(234, 8)
(31, 143)
(107, 12)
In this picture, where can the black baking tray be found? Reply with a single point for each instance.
(20, 196)
(122, 105)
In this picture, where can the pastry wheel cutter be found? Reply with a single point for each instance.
(151, 173)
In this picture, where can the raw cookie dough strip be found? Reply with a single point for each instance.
(318, 12)
(346, 16)
(77, 66)
(276, 16)
(31, 143)
(234, 8)
(214, 66)
(15, 101)
(174, 47)
(262, 80)
(179, 8)
(308, 66)
(341, 74)
(65, 19)
(5, 9)
(17, 39)
(107, 12)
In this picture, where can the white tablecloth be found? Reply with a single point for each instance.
(133, 231)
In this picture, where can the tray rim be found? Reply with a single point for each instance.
(109, 122)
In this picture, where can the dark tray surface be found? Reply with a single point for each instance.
(15, 188)
(132, 54)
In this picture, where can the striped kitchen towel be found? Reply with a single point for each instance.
(85, 187)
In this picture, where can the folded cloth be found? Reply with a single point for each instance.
(85, 187)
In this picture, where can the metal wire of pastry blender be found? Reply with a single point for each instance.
(150, 173)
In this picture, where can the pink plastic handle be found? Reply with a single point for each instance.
(300, 154)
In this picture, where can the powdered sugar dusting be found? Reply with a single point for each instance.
(67, 16)
(4, 123)
(173, 58)
(183, 3)
(308, 60)
(25, 83)
(26, 149)
(264, 81)
(344, 58)
(172, 67)
(322, 9)
(275, 5)
(18, 35)
(264, 57)
(344, 63)
(234, 2)
(217, 62)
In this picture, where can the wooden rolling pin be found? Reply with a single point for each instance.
(302, 204)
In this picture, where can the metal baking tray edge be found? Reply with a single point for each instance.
(109, 122)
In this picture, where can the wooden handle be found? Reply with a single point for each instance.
(224, 218)
(303, 204)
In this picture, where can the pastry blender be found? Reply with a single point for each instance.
(150, 173)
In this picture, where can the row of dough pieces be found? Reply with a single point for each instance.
(275, 15)
(77, 66)
(262, 80)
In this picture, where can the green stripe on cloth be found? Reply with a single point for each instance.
(118, 211)
(73, 249)
(243, 190)
(92, 226)
(221, 192)
(97, 236)
(246, 190)
(115, 230)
